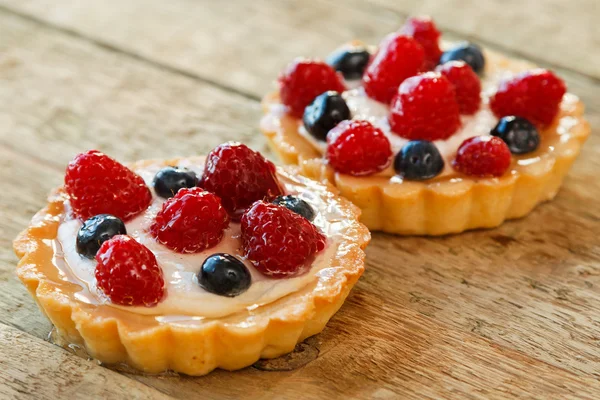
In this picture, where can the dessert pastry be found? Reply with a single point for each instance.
(426, 141)
(190, 264)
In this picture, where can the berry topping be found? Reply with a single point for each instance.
(398, 58)
(467, 52)
(350, 61)
(127, 272)
(424, 31)
(225, 275)
(191, 221)
(425, 108)
(466, 85)
(97, 230)
(418, 160)
(535, 95)
(325, 112)
(483, 156)
(296, 205)
(358, 148)
(239, 176)
(278, 241)
(303, 80)
(520, 135)
(97, 184)
(169, 180)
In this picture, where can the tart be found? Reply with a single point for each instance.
(473, 137)
(144, 265)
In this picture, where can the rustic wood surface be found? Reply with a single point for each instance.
(512, 312)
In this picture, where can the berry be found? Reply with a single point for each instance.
(398, 58)
(239, 176)
(535, 95)
(225, 275)
(303, 80)
(325, 112)
(466, 85)
(358, 148)
(520, 135)
(424, 31)
(97, 184)
(350, 61)
(419, 160)
(278, 241)
(97, 230)
(467, 52)
(483, 156)
(191, 221)
(296, 205)
(169, 180)
(425, 108)
(127, 272)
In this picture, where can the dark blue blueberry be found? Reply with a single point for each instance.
(325, 112)
(225, 275)
(520, 135)
(96, 231)
(169, 180)
(418, 160)
(350, 61)
(296, 205)
(467, 52)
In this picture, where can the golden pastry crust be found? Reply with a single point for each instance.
(155, 344)
(453, 203)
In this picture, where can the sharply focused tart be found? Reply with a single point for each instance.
(427, 141)
(190, 264)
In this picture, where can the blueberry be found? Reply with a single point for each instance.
(419, 160)
(225, 275)
(296, 205)
(520, 135)
(97, 230)
(324, 113)
(467, 52)
(350, 61)
(169, 180)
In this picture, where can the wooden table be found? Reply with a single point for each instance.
(512, 312)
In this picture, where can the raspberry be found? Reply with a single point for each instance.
(398, 58)
(425, 108)
(466, 85)
(127, 272)
(483, 156)
(97, 184)
(424, 31)
(278, 241)
(534, 95)
(358, 148)
(303, 80)
(239, 176)
(191, 221)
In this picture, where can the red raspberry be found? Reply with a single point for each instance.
(127, 272)
(397, 58)
(303, 80)
(466, 85)
(97, 184)
(191, 221)
(278, 241)
(534, 95)
(358, 148)
(424, 31)
(483, 156)
(239, 176)
(425, 108)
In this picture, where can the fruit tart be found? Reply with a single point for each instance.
(427, 138)
(190, 264)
